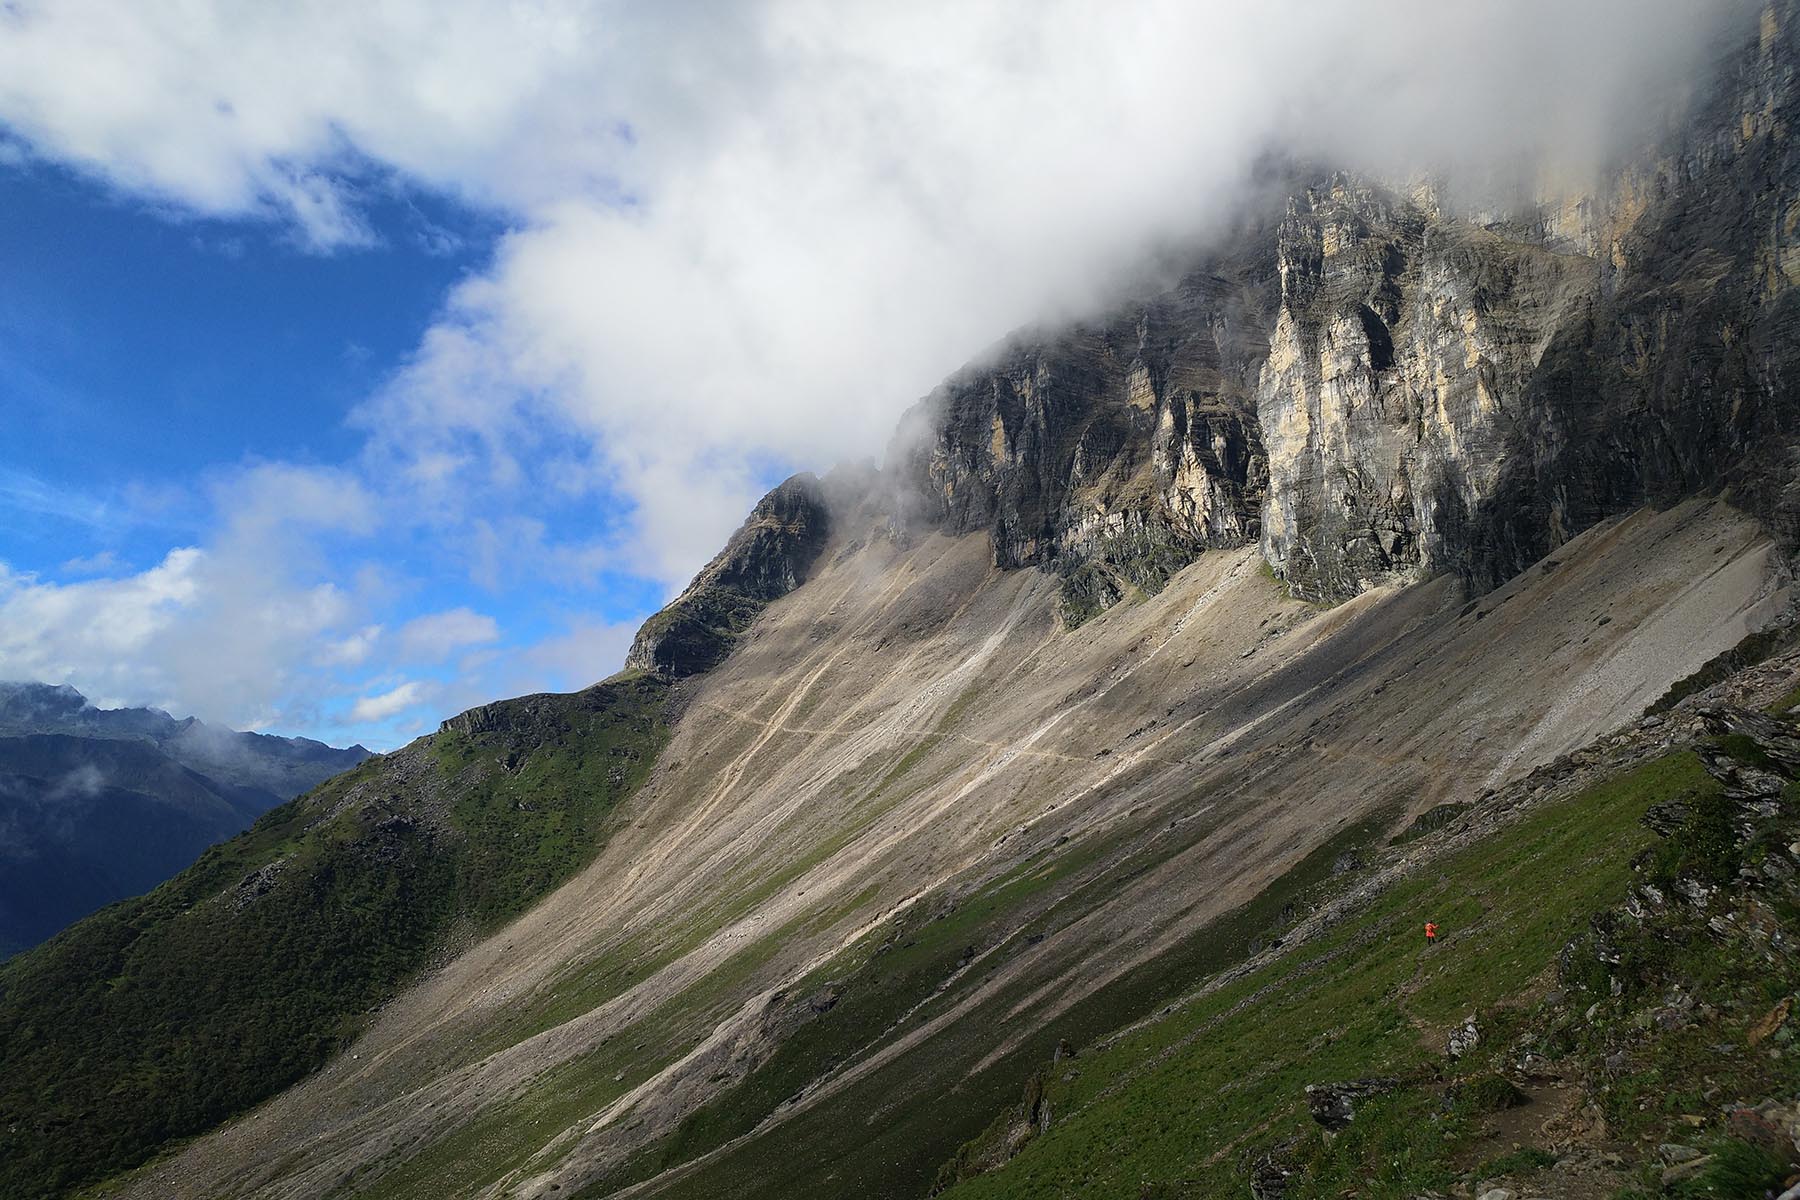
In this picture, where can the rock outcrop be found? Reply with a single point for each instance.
(1333, 1105)
(1111, 452)
(1398, 364)
(1383, 384)
(768, 557)
(1374, 382)
(1460, 392)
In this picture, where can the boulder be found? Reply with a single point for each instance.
(1333, 1105)
(1269, 1178)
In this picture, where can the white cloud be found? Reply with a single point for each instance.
(377, 708)
(100, 563)
(436, 636)
(234, 109)
(53, 632)
(24, 492)
(198, 632)
(226, 630)
(585, 653)
(268, 499)
(350, 651)
(832, 214)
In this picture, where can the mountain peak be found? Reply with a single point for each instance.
(768, 556)
(31, 696)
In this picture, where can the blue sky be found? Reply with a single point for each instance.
(149, 357)
(139, 352)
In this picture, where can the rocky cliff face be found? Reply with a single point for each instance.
(1383, 385)
(1400, 366)
(765, 559)
(1447, 392)
(1112, 452)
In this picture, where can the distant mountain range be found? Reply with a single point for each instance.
(99, 804)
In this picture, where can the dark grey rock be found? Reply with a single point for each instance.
(1115, 452)
(1333, 1105)
(1270, 1178)
(769, 556)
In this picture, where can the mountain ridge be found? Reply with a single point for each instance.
(100, 804)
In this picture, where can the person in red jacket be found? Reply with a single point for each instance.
(1431, 933)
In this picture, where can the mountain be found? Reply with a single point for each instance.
(100, 804)
(1055, 811)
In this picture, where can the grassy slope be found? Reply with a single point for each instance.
(909, 971)
(1185, 1106)
(162, 1015)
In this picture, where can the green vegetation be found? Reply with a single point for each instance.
(1786, 704)
(163, 1015)
(1738, 1169)
(1490, 1093)
(1515, 1162)
(1188, 1104)
(914, 968)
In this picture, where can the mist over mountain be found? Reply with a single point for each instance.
(100, 804)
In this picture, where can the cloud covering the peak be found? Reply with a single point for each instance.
(743, 236)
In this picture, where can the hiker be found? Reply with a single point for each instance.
(1431, 933)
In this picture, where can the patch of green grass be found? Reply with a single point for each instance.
(1744, 748)
(1394, 1147)
(1705, 845)
(1515, 1162)
(1184, 1102)
(1489, 1093)
(1738, 1170)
